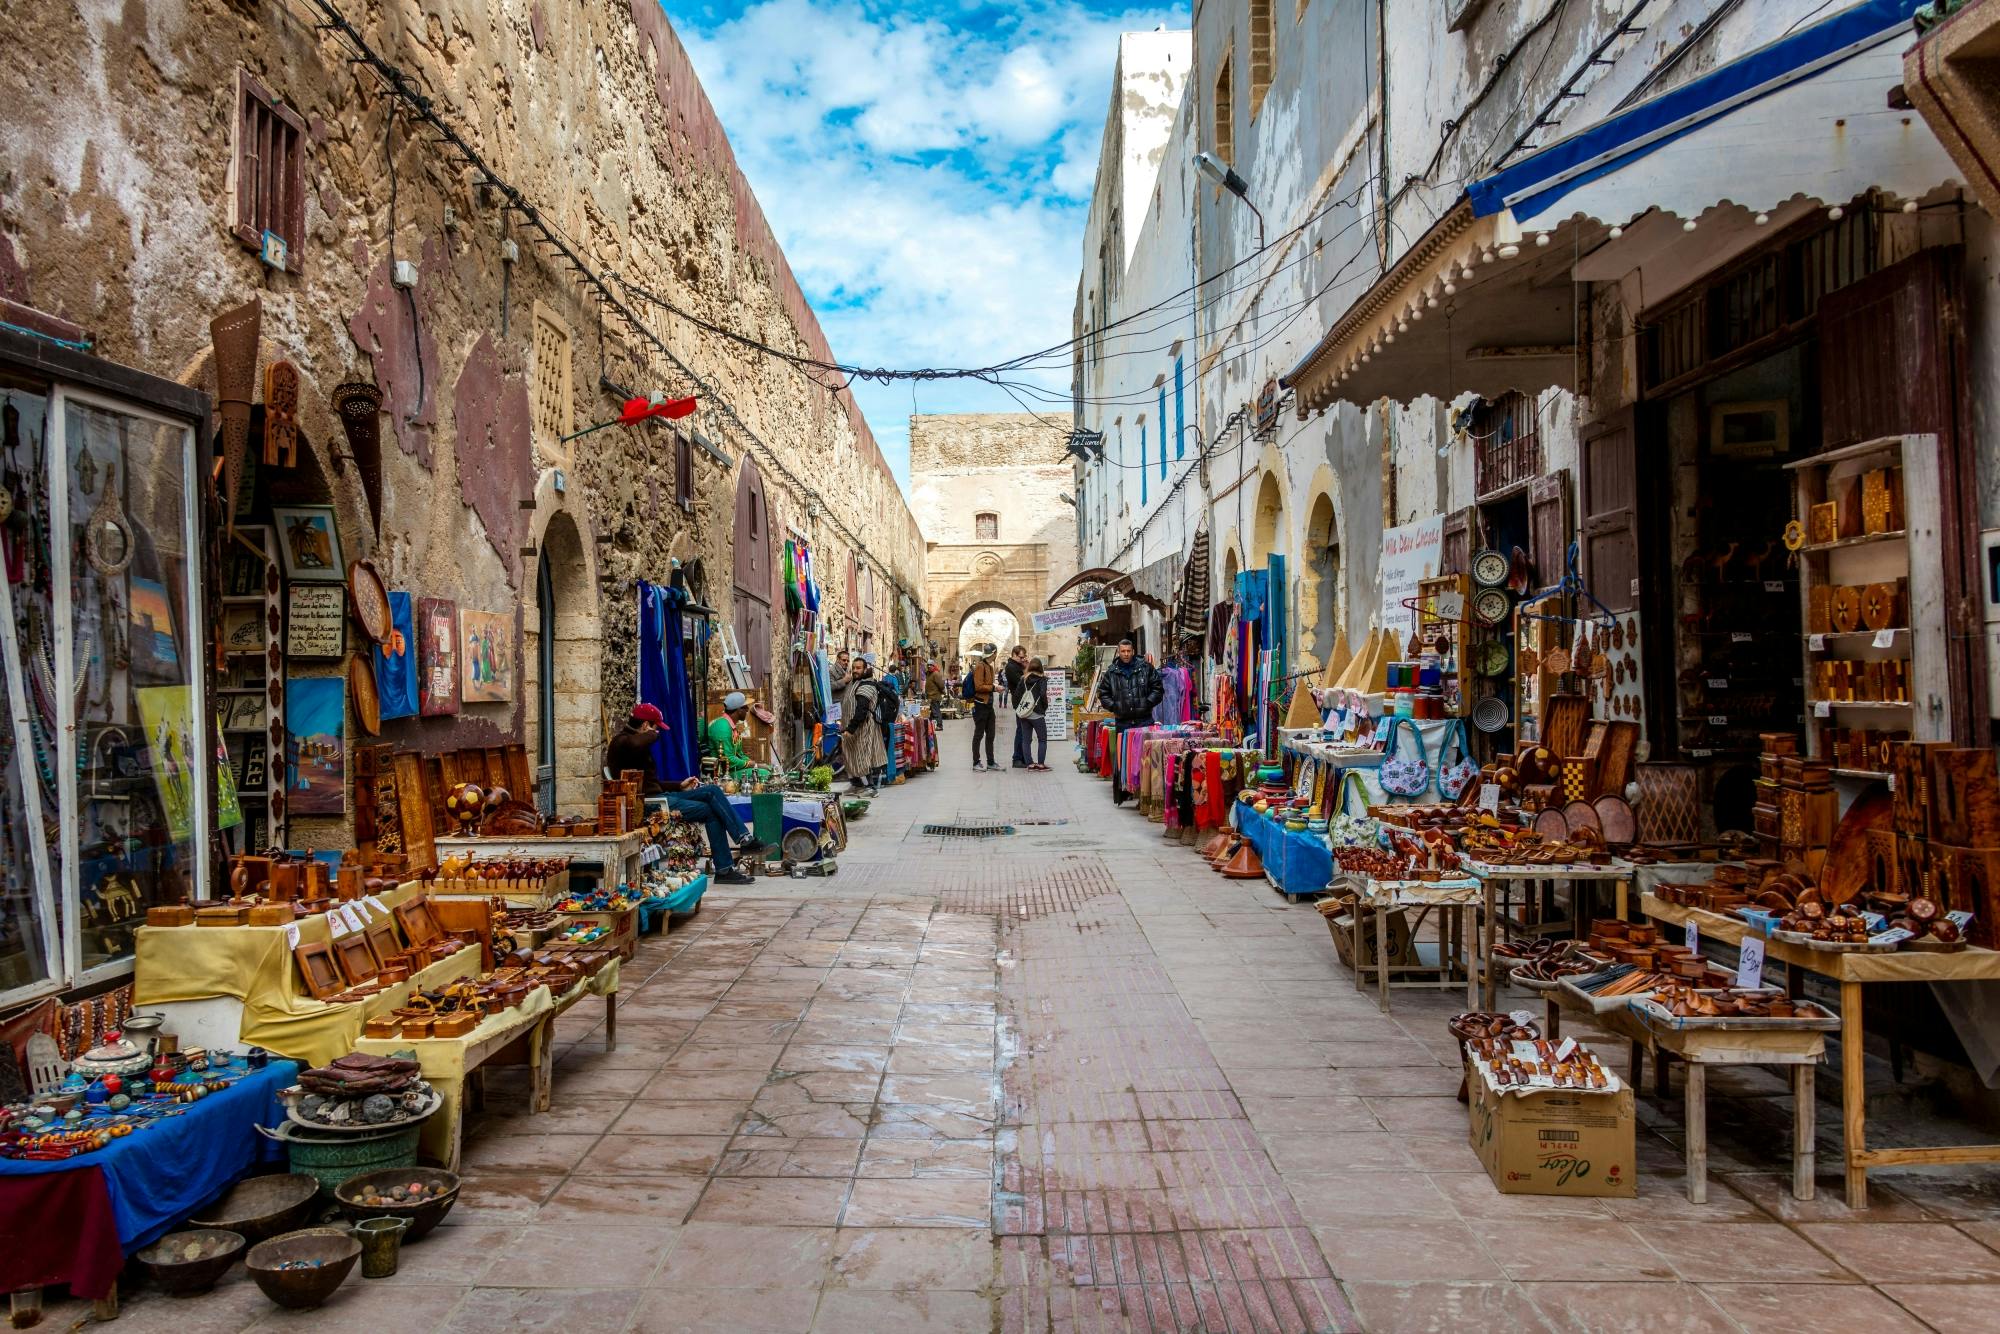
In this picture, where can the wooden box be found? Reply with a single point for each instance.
(1909, 768)
(170, 914)
(1882, 500)
(1884, 876)
(1913, 866)
(1964, 795)
(1968, 880)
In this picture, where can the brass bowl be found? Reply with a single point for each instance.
(329, 1253)
(262, 1207)
(423, 1215)
(166, 1259)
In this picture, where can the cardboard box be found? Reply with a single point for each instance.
(1402, 950)
(1555, 1142)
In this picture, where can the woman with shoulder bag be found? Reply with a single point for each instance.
(1031, 708)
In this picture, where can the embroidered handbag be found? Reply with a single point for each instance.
(1455, 776)
(1403, 777)
(1353, 830)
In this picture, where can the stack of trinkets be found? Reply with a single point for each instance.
(112, 1090)
(360, 1091)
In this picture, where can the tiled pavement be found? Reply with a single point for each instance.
(1070, 1080)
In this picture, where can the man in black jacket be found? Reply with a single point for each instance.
(1129, 691)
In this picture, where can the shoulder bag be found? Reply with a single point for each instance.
(1455, 776)
(1355, 829)
(1402, 777)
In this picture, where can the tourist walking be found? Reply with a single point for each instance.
(1129, 691)
(1031, 710)
(979, 690)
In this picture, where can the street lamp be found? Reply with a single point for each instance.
(1222, 174)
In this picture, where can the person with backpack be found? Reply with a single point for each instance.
(978, 691)
(860, 730)
(1031, 709)
(888, 704)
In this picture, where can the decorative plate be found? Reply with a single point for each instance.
(361, 684)
(369, 597)
(1489, 569)
(1491, 714)
(1491, 606)
(1490, 658)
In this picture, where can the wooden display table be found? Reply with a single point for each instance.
(618, 853)
(1481, 983)
(1853, 971)
(1450, 897)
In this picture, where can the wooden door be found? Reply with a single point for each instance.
(1608, 526)
(1549, 526)
(751, 550)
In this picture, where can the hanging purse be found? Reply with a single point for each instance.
(1351, 830)
(1455, 776)
(1401, 777)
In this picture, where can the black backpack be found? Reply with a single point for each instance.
(887, 703)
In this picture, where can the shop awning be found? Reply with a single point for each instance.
(1114, 581)
(1485, 301)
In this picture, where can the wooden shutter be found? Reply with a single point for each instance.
(1892, 363)
(1455, 556)
(267, 180)
(1549, 525)
(1609, 523)
(752, 571)
(683, 470)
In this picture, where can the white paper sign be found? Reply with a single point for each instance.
(1892, 937)
(1885, 639)
(1822, 708)
(1451, 605)
(1692, 937)
(1750, 963)
(1521, 1018)
(1489, 797)
(1409, 553)
(291, 935)
(336, 925)
(1058, 714)
(1962, 920)
(1567, 1048)
(354, 920)
(1818, 644)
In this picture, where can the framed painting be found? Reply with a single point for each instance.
(316, 745)
(437, 657)
(486, 657)
(396, 660)
(309, 543)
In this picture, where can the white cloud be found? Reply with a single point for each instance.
(926, 172)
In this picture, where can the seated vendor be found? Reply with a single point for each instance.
(725, 733)
(699, 803)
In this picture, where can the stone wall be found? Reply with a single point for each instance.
(115, 148)
(1014, 467)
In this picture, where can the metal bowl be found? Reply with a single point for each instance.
(328, 1252)
(167, 1262)
(262, 1207)
(423, 1216)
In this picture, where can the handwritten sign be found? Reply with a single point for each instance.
(316, 620)
(1750, 963)
(1409, 553)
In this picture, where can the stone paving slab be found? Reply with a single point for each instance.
(1071, 1080)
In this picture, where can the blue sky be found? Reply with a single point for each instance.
(927, 168)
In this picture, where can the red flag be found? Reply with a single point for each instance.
(655, 405)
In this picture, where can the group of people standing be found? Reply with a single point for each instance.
(1021, 685)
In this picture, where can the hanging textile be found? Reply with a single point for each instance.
(1253, 592)
(794, 600)
(1191, 615)
(663, 681)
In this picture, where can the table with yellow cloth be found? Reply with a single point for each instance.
(447, 1062)
(254, 965)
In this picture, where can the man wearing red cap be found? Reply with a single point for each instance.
(695, 801)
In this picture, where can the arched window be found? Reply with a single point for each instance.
(986, 527)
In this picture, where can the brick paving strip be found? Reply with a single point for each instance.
(1071, 1080)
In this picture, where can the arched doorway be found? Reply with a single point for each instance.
(751, 618)
(1268, 528)
(988, 627)
(1319, 579)
(564, 671)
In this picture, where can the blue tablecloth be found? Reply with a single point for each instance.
(157, 1176)
(1298, 862)
(681, 900)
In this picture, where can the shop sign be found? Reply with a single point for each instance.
(1058, 714)
(316, 620)
(1409, 554)
(1084, 613)
(1267, 407)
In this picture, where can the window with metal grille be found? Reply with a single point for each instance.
(684, 470)
(267, 175)
(1262, 55)
(552, 388)
(1506, 441)
(986, 527)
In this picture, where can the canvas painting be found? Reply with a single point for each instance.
(155, 651)
(486, 649)
(396, 661)
(437, 657)
(316, 745)
(167, 714)
(308, 543)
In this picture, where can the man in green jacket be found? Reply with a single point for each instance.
(723, 743)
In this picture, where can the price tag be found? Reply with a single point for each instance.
(1700, 752)
(1451, 606)
(1692, 936)
(1894, 936)
(1962, 920)
(336, 925)
(1885, 639)
(1740, 636)
(1750, 963)
(1521, 1018)
(1489, 797)
(1566, 1050)
(1876, 922)
(1822, 708)
(291, 935)
(1718, 720)
(355, 921)
(1718, 683)
(1817, 643)
(1774, 585)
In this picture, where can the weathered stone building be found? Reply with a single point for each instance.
(124, 178)
(991, 493)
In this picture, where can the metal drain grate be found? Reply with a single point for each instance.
(967, 830)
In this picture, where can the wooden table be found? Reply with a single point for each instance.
(1382, 897)
(1481, 988)
(1853, 971)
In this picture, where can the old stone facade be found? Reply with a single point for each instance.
(116, 172)
(991, 493)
